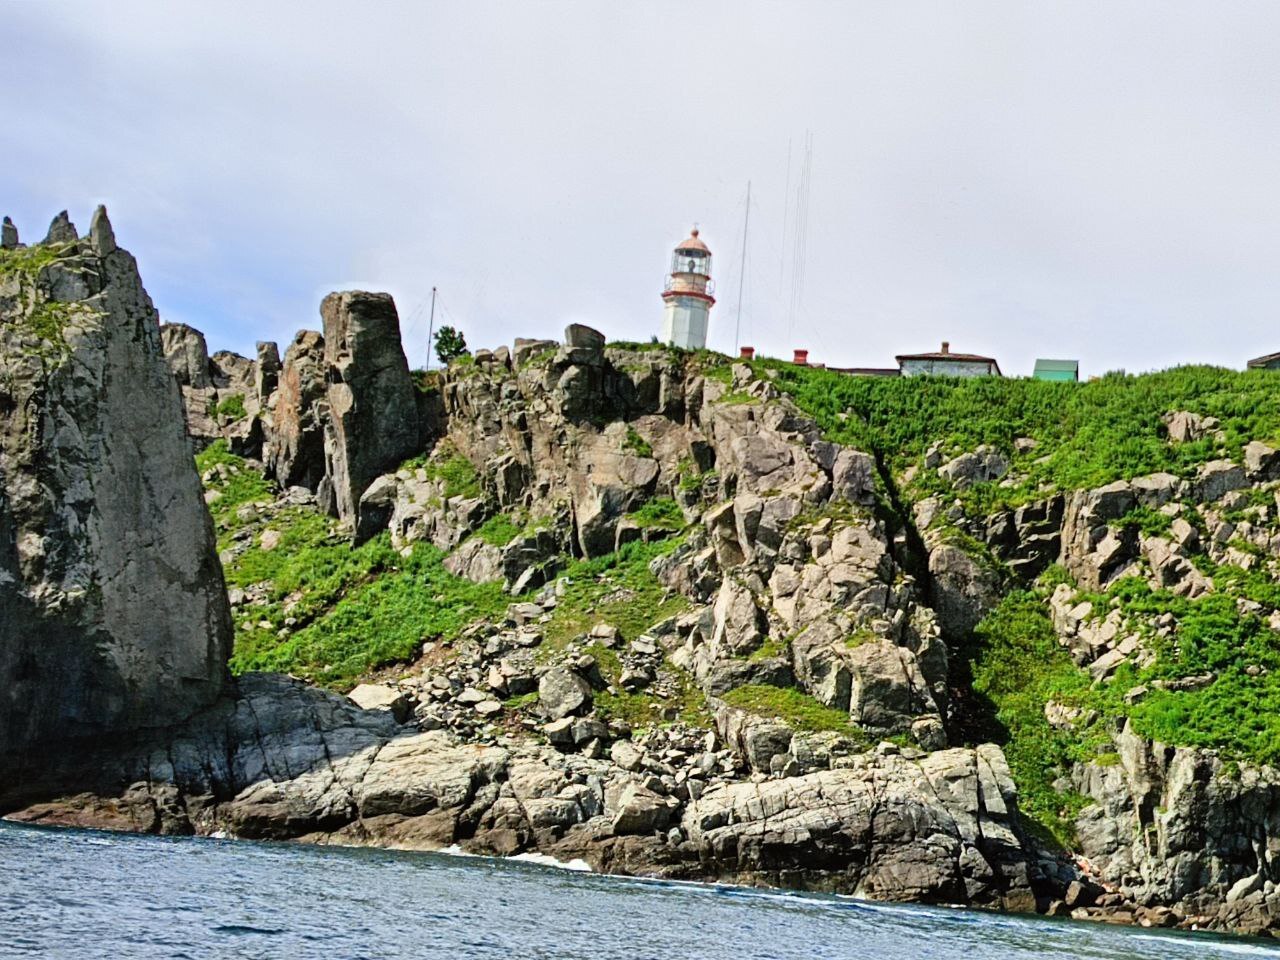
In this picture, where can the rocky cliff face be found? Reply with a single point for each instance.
(690, 634)
(113, 614)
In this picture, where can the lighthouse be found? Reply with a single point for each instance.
(687, 298)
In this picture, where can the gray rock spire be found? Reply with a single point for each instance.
(8, 235)
(62, 230)
(101, 237)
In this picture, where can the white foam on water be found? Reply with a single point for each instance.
(576, 865)
(1219, 946)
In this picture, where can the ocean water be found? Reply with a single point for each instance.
(82, 894)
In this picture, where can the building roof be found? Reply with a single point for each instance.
(1057, 366)
(1264, 360)
(693, 243)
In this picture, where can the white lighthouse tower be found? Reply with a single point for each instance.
(687, 298)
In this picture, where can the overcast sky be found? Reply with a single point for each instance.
(1096, 181)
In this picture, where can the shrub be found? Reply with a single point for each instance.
(232, 407)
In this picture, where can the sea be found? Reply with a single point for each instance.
(84, 894)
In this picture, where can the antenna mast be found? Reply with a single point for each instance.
(431, 326)
(742, 271)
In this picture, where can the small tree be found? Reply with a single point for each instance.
(450, 344)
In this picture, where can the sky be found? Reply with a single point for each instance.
(1070, 180)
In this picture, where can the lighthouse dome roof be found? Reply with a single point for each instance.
(693, 242)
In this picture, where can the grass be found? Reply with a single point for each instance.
(659, 513)
(356, 609)
(29, 261)
(1088, 434)
(617, 588)
(1019, 667)
(373, 606)
(231, 408)
(499, 530)
(634, 443)
(241, 486)
(793, 707)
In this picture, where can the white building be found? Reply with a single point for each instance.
(687, 298)
(944, 363)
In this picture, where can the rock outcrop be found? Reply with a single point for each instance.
(373, 417)
(285, 761)
(113, 613)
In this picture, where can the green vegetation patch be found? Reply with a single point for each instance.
(240, 486)
(499, 530)
(1087, 434)
(1018, 665)
(634, 443)
(659, 513)
(445, 463)
(372, 606)
(793, 707)
(29, 261)
(231, 408)
(617, 588)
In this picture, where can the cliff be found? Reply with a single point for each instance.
(113, 613)
(1001, 643)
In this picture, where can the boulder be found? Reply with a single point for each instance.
(380, 696)
(373, 415)
(476, 561)
(983, 464)
(582, 336)
(1156, 489)
(1217, 478)
(562, 692)
(524, 349)
(965, 589)
(889, 691)
(853, 477)
(1092, 550)
(1185, 427)
(740, 625)
(639, 810)
(1261, 462)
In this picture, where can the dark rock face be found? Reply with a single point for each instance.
(113, 613)
(373, 414)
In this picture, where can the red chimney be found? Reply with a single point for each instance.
(748, 353)
(801, 358)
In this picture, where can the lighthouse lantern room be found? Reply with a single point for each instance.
(687, 298)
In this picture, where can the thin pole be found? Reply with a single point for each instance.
(742, 271)
(786, 212)
(431, 326)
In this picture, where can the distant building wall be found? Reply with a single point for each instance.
(948, 368)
